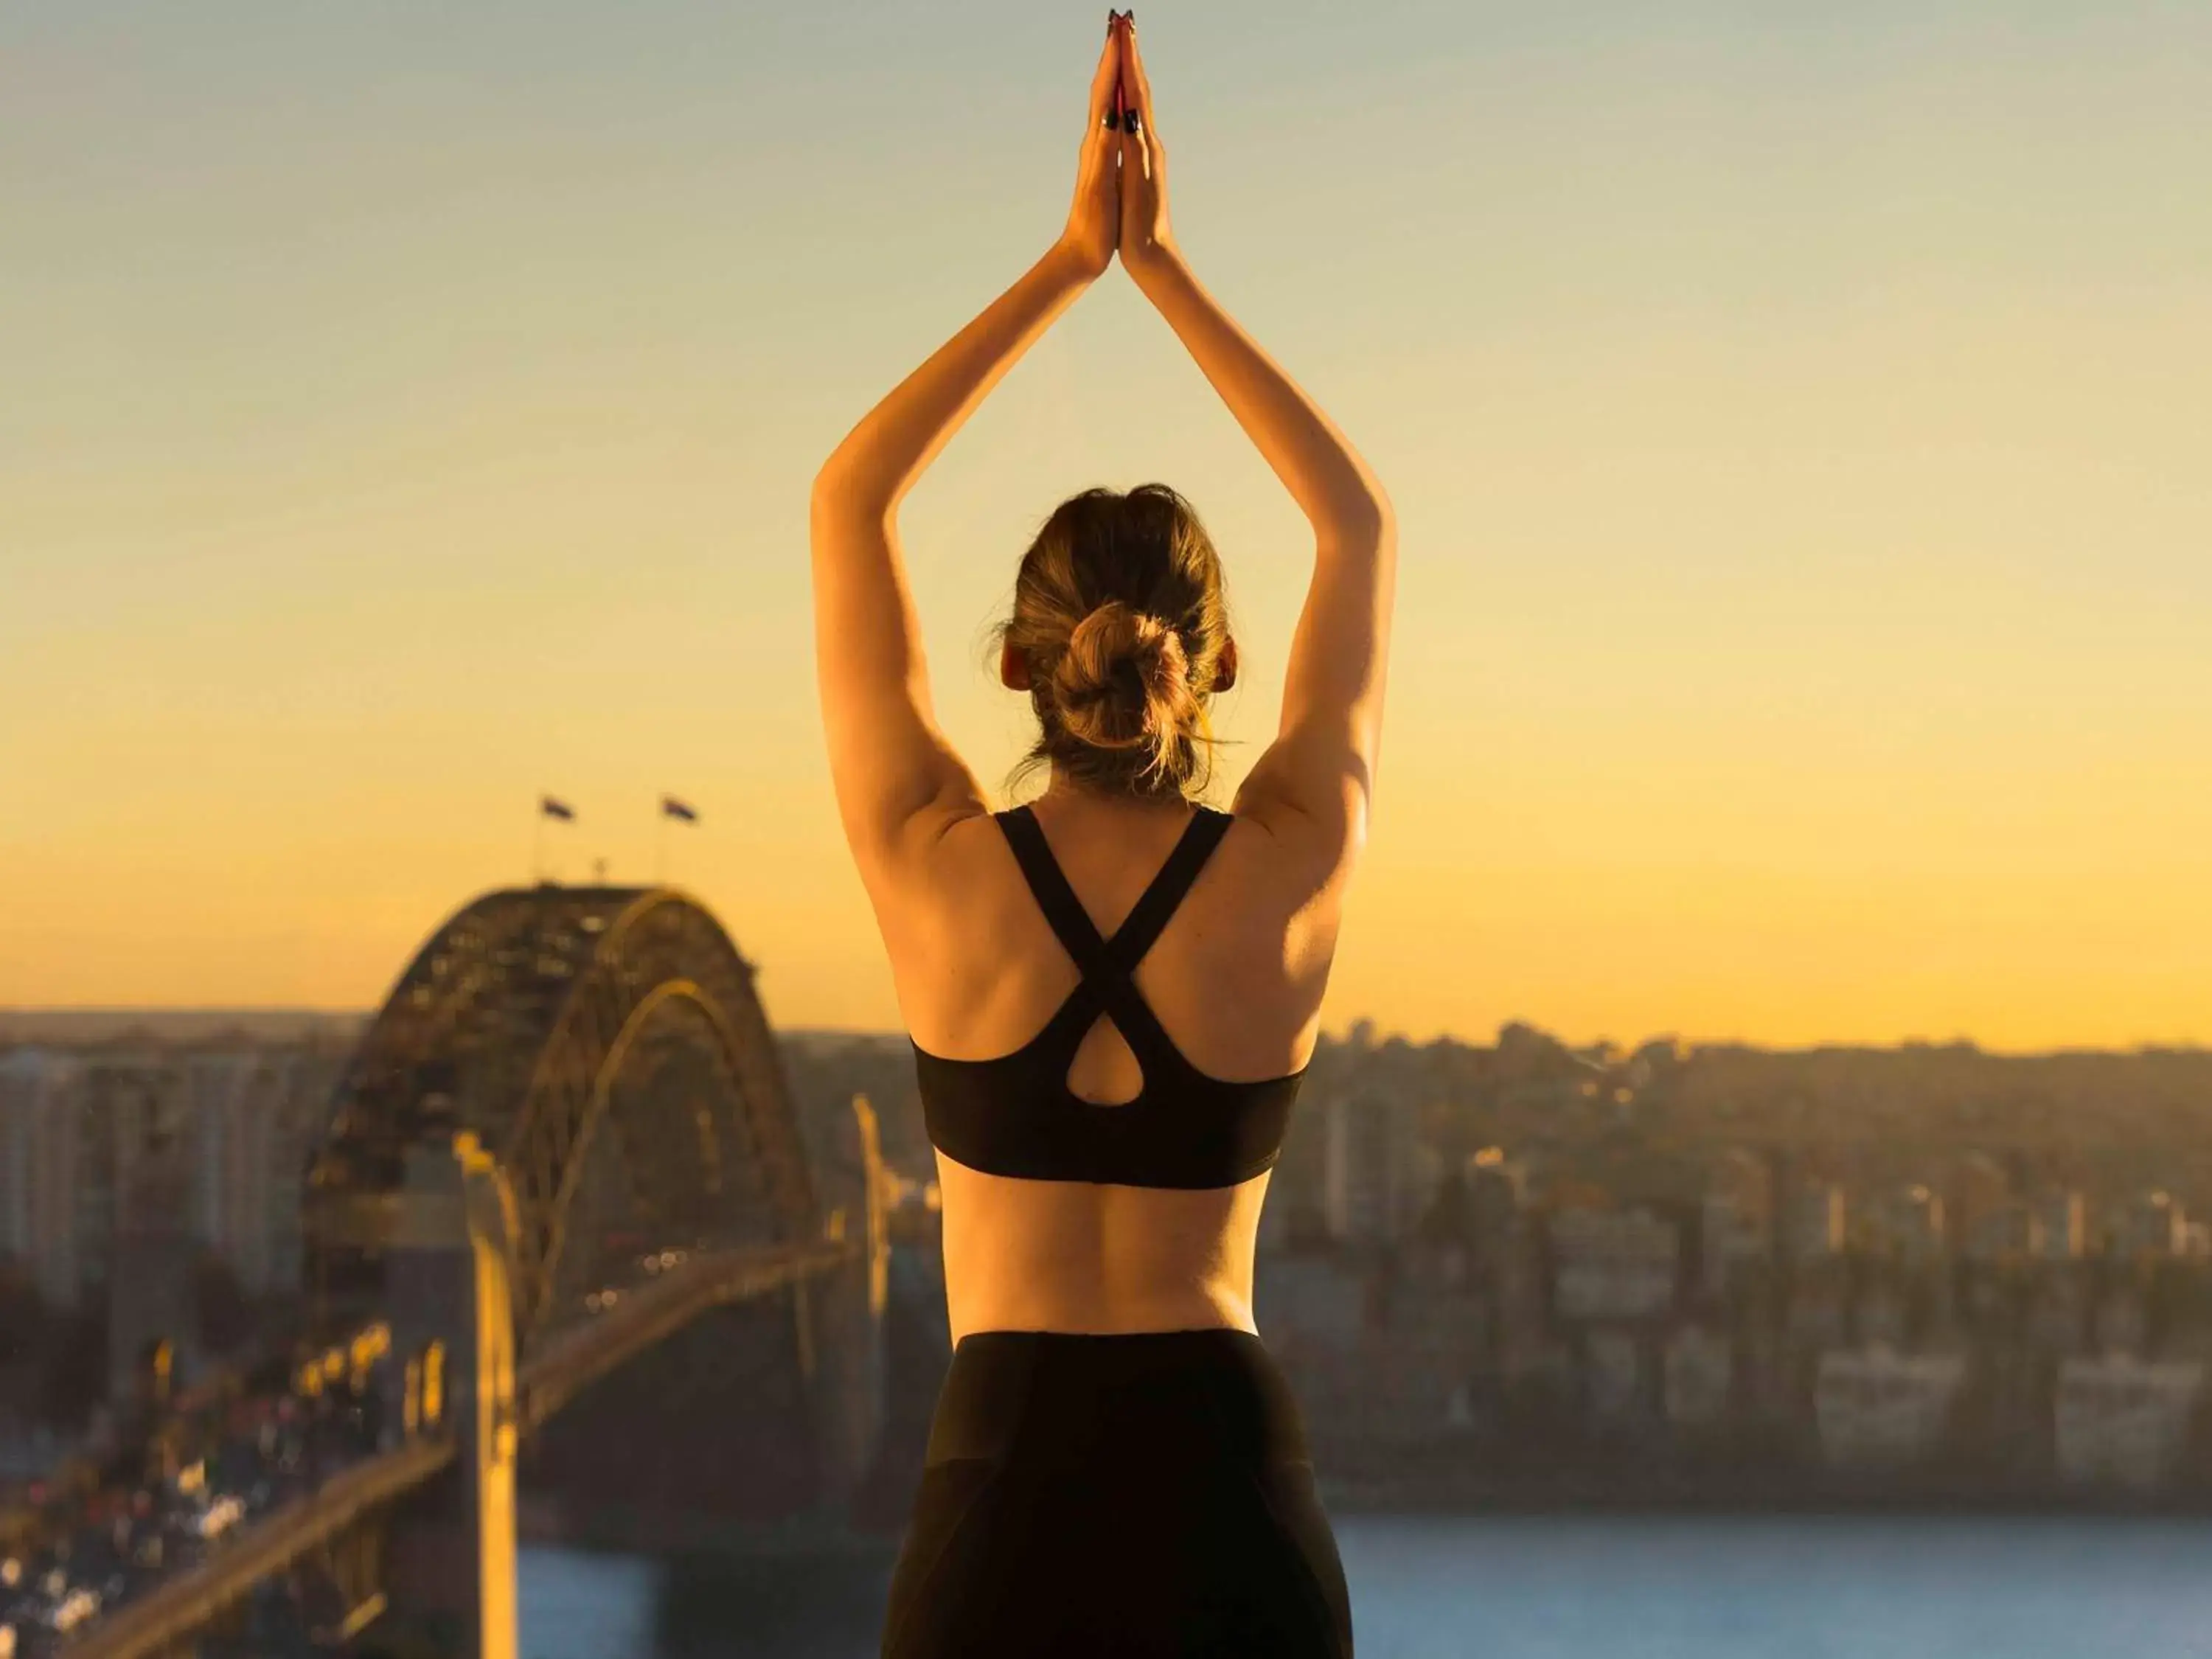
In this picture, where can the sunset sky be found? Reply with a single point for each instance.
(1799, 418)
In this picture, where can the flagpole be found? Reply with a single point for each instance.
(669, 808)
(538, 849)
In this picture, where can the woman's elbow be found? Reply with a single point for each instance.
(842, 492)
(1366, 525)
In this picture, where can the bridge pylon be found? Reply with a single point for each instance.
(843, 1316)
(452, 1551)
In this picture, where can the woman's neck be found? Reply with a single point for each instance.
(1062, 793)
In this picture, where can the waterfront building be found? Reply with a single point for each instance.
(2185, 1332)
(1410, 1377)
(1373, 1171)
(1296, 1216)
(1736, 1221)
(2121, 1319)
(1459, 1409)
(1699, 1372)
(1991, 1294)
(2147, 1226)
(2124, 1421)
(1978, 1189)
(1614, 1264)
(1311, 1300)
(1766, 1365)
(2058, 1309)
(2061, 1225)
(1496, 1186)
(1279, 1229)
(1878, 1408)
(1905, 1225)
(2000, 1237)
(1612, 1372)
(1878, 1313)
(1814, 1221)
(1815, 1317)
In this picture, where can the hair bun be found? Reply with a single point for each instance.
(1124, 680)
(1120, 626)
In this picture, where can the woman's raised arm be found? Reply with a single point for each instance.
(1315, 781)
(897, 779)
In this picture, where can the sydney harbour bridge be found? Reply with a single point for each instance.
(566, 1215)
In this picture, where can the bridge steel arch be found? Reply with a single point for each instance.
(515, 1022)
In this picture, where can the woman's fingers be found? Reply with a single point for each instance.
(1094, 221)
(1134, 79)
(1140, 177)
(1102, 84)
(1140, 138)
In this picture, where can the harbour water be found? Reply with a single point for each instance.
(1550, 1588)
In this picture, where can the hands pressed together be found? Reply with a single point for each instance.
(1120, 184)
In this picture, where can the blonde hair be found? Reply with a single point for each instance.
(1120, 615)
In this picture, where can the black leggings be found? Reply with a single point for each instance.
(1140, 1495)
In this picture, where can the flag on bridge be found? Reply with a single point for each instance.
(672, 808)
(547, 807)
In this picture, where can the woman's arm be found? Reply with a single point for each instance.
(1320, 768)
(897, 779)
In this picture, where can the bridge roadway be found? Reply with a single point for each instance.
(640, 1316)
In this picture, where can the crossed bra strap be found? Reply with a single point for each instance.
(1107, 965)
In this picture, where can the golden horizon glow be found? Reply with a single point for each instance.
(1797, 437)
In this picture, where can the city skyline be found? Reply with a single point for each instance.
(1795, 425)
(1681, 1281)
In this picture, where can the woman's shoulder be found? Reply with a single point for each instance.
(1313, 844)
(1268, 860)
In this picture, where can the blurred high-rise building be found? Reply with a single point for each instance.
(251, 1120)
(40, 1098)
(1375, 1180)
(234, 1126)
(1903, 1224)
(151, 1294)
(1737, 1224)
(2060, 1224)
(1816, 1220)
(1614, 1265)
(2146, 1226)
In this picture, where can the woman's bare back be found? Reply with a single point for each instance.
(1235, 980)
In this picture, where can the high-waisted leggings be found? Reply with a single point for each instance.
(1138, 1495)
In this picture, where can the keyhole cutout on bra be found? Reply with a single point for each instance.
(1105, 1071)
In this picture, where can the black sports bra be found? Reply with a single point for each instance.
(1015, 1115)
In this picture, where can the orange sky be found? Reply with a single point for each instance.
(1798, 438)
